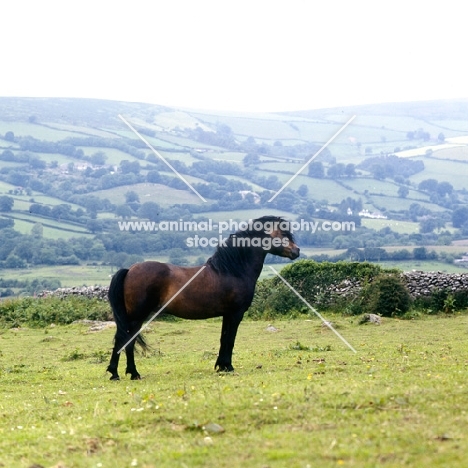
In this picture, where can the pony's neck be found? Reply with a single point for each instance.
(256, 265)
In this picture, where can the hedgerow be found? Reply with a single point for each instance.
(40, 312)
(317, 283)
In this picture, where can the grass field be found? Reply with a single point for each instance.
(443, 170)
(69, 275)
(298, 398)
(161, 194)
(66, 232)
(402, 227)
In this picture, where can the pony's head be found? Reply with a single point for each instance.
(276, 236)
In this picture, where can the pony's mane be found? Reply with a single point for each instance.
(232, 259)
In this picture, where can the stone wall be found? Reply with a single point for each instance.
(419, 283)
(422, 283)
(98, 292)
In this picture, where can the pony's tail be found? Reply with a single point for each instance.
(117, 303)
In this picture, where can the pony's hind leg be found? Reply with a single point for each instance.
(130, 352)
(114, 363)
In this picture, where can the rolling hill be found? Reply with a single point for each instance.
(74, 167)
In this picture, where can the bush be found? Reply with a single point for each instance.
(273, 298)
(386, 296)
(44, 311)
(442, 300)
(315, 282)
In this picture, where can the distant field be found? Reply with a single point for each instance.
(385, 187)
(402, 227)
(452, 171)
(24, 227)
(68, 275)
(23, 202)
(320, 189)
(459, 153)
(114, 156)
(41, 132)
(243, 215)
(267, 129)
(87, 131)
(161, 194)
(229, 156)
(398, 204)
(424, 266)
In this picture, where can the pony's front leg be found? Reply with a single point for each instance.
(228, 338)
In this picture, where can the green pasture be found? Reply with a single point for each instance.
(186, 158)
(399, 204)
(39, 131)
(402, 227)
(23, 202)
(5, 187)
(427, 265)
(86, 131)
(459, 153)
(51, 228)
(319, 189)
(11, 164)
(443, 170)
(68, 275)
(298, 397)
(381, 187)
(243, 215)
(457, 127)
(229, 156)
(24, 227)
(161, 194)
(272, 127)
(114, 155)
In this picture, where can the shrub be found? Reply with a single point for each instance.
(44, 311)
(442, 300)
(386, 296)
(315, 282)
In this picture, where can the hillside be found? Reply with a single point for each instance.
(71, 169)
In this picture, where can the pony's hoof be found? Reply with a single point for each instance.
(227, 368)
(135, 377)
(115, 377)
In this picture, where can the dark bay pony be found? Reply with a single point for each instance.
(225, 287)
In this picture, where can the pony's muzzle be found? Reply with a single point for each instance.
(295, 251)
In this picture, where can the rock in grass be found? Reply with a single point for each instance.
(370, 318)
(213, 428)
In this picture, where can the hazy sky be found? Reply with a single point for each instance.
(236, 55)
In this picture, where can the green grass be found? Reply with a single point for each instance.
(24, 227)
(38, 131)
(299, 397)
(402, 227)
(243, 215)
(443, 170)
(424, 266)
(69, 275)
(161, 194)
(399, 204)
